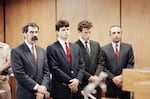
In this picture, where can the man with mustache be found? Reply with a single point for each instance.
(29, 64)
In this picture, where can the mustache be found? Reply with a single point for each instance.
(34, 38)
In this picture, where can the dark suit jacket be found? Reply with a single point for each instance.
(114, 66)
(27, 72)
(61, 71)
(93, 63)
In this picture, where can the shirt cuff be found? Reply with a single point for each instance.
(36, 86)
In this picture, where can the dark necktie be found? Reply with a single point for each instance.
(68, 54)
(87, 49)
(117, 51)
(33, 53)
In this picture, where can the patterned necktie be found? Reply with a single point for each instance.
(117, 51)
(33, 53)
(68, 54)
(87, 48)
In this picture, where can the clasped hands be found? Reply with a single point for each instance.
(92, 79)
(42, 92)
(117, 80)
(73, 85)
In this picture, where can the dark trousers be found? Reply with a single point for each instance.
(114, 92)
(69, 96)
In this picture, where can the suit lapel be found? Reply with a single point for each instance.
(112, 54)
(84, 49)
(92, 48)
(120, 53)
(72, 53)
(85, 54)
(39, 54)
(29, 57)
(62, 52)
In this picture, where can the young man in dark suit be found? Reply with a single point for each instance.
(118, 55)
(66, 64)
(91, 51)
(29, 65)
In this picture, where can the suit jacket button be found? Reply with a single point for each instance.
(72, 72)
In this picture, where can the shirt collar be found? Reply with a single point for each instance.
(29, 45)
(62, 42)
(114, 44)
(83, 41)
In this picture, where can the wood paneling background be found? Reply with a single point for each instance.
(132, 15)
(19, 12)
(102, 13)
(1, 21)
(136, 30)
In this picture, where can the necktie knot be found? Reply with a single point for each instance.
(86, 43)
(116, 45)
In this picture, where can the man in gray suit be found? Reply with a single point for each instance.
(92, 55)
(118, 55)
(29, 64)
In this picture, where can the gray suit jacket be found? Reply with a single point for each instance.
(114, 66)
(94, 62)
(27, 72)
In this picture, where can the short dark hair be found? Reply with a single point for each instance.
(25, 27)
(61, 23)
(84, 24)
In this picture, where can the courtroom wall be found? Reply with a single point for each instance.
(132, 15)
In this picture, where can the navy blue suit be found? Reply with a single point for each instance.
(62, 71)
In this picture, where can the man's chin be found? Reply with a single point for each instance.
(33, 42)
(116, 41)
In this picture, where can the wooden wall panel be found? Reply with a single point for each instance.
(135, 23)
(102, 13)
(1, 22)
(134, 19)
(19, 12)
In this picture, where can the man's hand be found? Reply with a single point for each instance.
(3, 77)
(43, 90)
(47, 94)
(39, 95)
(92, 78)
(117, 80)
(73, 85)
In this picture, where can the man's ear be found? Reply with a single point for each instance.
(24, 34)
(57, 32)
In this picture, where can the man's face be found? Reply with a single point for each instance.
(32, 35)
(85, 34)
(63, 33)
(115, 34)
